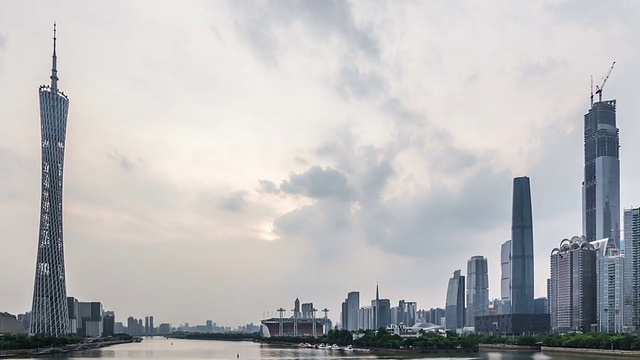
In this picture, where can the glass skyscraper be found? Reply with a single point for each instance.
(601, 186)
(454, 310)
(631, 302)
(521, 248)
(49, 313)
(477, 288)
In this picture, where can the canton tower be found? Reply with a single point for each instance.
(49, 314)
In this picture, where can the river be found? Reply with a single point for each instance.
(173, 349)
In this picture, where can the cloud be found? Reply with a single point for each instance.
(123, 161)
(319, 183)
(234, 202)
(264, 25)
(352, 82)
(539, 68)
(269, 187)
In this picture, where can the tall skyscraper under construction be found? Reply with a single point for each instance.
(49, 313)
(601, 185)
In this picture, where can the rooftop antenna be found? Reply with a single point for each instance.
(604, 81)
(54, 60)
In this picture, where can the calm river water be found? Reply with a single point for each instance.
(172, 349)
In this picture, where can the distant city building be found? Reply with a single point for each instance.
(396, 315)
(540, 305)
(353, 306)
(410, 313)
(10, 324)
(505, 277)
(609, 293)
(72, 308)
(164, 329)
(549, 297)
(522, 275)
(512, 324)
(632, 269)
(601, 186)
(381, 311)
(573, 285)
(477, 288)
(49, 312)
(365, 317)
(90, 319)
(436, 315)
(455, 310)
(307, 310)
(108, 323)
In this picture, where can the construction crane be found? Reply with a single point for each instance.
(599, 88)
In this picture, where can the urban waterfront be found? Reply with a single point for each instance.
(160, 348)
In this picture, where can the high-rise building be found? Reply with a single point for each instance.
(381, 311)
(477, 288)
(521, 248)
(108, 323)
(540, 305)
(365, 317)
(573, 285)
(505, 278)
(353, 306)
(631, 301)
(49, 312)
(454, 309)
(609, 292)
(90, 316)
(410, 313)
(601, 185)
(72, 306)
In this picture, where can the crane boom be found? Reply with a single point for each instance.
(604, 81)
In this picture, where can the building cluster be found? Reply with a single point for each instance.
(379, 314)
(303, 321)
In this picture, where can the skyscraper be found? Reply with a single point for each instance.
(454, 309)
(632, 269)
(521, 248)
(49, 313)
(477, 288)
(609, 274)
(601, 185)
(505, 278)
(573, 285)
(353, 305)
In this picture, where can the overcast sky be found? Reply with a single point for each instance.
(224, 158)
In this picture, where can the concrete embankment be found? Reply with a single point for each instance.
(505, 347)
(60, 349)
(621, 353)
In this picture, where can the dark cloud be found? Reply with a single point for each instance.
(234, 202)
(351, 82)
(263, 24)
(319, 183)
(269, 187)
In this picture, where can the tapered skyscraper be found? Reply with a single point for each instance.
(521, 248)
(601, 186)
(49, 313)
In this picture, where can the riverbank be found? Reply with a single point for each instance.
(61, 349)
(621, 353)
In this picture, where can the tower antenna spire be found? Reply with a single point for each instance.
(54, 62)
(591, 90)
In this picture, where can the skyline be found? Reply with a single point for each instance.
(186, 159)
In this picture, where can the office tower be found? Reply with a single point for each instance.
(381, 311)
(108, 323)
(410, 313)
(353, 305)
(521, 248)
(365, 318)
(436, 315)
(573, 285)
(632, 269)
(396, 315)
(146, 325)
(477, 288)
(601, 185)
(344, 314)
(454, 310)
(90, 319)
(609, 291)
(49, 313)
(505, 278)
(540, 305)
(72, 306)
(151, 329)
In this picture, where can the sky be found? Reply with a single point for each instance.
(224, 158)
